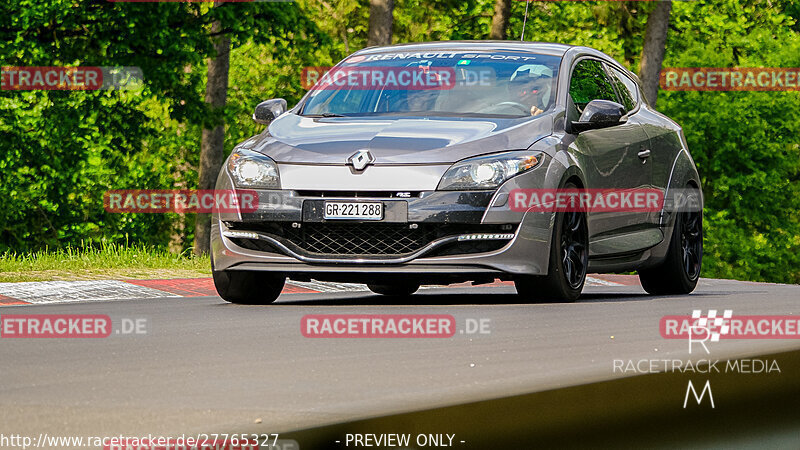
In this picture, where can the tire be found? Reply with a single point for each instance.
(248, 288)
(680, 270)
(569, 260)
(394, 289)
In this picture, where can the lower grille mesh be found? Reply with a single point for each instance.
(367, 238)
(359, 238)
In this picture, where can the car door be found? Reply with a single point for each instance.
(657, 163)
(610, 160)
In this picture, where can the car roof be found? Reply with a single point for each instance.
(542, 48)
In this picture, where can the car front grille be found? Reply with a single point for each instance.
(365, 239)
(359, 238)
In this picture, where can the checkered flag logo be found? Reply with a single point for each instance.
(715, 325)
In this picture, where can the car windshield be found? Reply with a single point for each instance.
(467, 84)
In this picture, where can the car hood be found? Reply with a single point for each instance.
(296, 139)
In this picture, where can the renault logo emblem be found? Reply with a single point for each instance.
(361, 159)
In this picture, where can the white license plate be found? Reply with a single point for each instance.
(354, 210)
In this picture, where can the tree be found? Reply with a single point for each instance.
(380, 22)
(502, 10)
(655, 40)
(212, 145)
(61, 150)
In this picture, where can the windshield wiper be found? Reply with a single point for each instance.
(324, 115)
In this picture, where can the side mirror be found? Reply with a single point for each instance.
(269, 110)
(599, 114)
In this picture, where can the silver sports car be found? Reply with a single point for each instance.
(447, 162)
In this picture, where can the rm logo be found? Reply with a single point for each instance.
(690, 388)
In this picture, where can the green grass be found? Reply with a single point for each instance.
(107, 261)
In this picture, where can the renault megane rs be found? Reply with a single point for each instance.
(420, 164)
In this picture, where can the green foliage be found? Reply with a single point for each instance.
(746, 144)
(61, 150)
(101, 260)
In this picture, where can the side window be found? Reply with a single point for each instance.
(590, 82)
(628, 91)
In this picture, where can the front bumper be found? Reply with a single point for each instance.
(267, 239)
(439, 216)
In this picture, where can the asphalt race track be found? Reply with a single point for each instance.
(205, 366)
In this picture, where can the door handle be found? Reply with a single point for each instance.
(643, 154)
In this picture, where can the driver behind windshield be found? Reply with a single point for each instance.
(531, 87)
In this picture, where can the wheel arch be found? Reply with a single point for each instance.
(572, 174)
(683, 174)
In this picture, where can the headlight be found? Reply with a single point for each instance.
(253, 170)
(488, 172)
